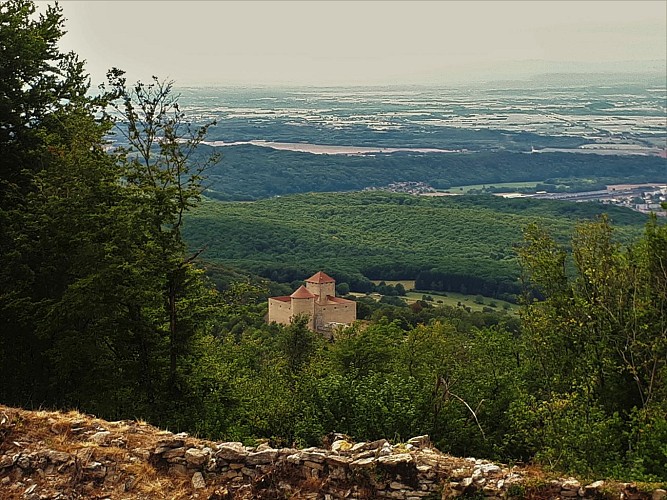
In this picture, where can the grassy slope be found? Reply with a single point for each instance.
(384, 236)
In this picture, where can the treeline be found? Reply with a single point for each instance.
(254, 172)
(466, 284)
(449, 243)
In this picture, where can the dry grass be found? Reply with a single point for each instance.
(130, 475)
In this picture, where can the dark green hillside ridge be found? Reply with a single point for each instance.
(450, 242)
(252, 172)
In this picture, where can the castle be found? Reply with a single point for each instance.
(317, 299)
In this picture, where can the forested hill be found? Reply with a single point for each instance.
(251, 172)
(447, 243)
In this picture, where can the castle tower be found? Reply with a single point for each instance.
(322, 285)
(303, 302)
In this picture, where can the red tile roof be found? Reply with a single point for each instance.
(282, 298)
(320, 277)
(302, 293)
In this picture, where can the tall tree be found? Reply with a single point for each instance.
(161, 170)
(46, 127)
(100, 305)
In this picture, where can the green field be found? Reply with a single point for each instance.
(453, 299)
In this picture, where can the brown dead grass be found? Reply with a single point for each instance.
(25, 432)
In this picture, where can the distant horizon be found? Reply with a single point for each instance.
(364, 43)
(633, 78)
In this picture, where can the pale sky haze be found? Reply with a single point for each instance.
(364, 43)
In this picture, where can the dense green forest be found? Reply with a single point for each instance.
(253, 172)
(463, 243)
(104, 308)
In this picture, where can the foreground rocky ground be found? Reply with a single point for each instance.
(52, 455)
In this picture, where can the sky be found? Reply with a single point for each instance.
(364, 42)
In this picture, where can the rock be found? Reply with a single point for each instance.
(591, 489)
(338, 461)
(362, 463)
(170, 442)
(6, 461)
(262, 457)
(365, 454)
(57, 457)
(373, 445)
(314, 465)
(358, 446)
(394, 460)
(341, 445)
(173, 453)
(384, 451)
(420, 441)
(395, 485)
(196, 457)
(247, 471)
(659, 494)
(490, 469)
(101, 438)
(314, 456)
(23, 462)
(231, 451)
(570, 484)
(198, 481)
(466, 483)
(95, 470)
(230, 474)
(118, 442)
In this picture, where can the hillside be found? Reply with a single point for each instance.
(442, 242)
(249, 172)
(50, 455)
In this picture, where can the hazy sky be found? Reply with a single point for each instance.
(353, 42)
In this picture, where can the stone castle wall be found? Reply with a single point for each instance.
(338, 313)
(409, 471)
(51, 455)
(279, 311)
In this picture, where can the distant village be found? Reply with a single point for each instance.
(643, 198)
